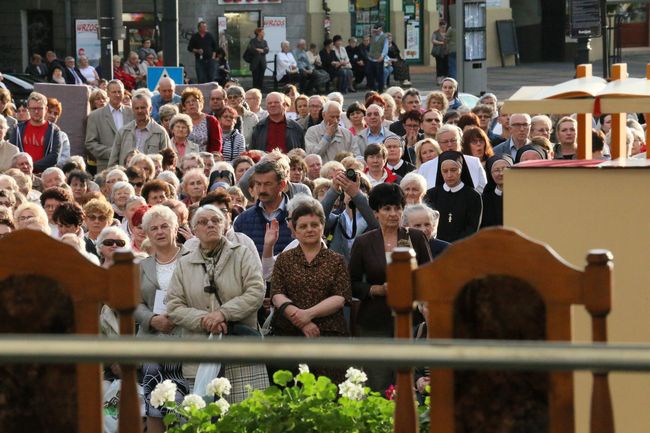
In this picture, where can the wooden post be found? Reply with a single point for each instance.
(597, 299)
(618, 147)
(584, 119)
(400, 298)
(125, 273)
(647, 116)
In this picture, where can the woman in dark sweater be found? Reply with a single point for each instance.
(368, 259)
(493, 192)
(454, 196)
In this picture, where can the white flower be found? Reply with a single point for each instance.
(193, 401)
(163, 393)
(303, 368)
(223, 405)
(219, 387)
(352, 391)
(356, 376)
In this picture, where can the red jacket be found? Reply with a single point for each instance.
(214, 134)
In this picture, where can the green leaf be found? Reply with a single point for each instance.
(282, 377)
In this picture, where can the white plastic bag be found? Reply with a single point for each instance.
(205, 373)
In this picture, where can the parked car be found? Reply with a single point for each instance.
(20, 85)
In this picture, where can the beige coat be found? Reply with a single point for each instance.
(125, 142)
(248, 122)
(7, 151)
(101, 132)
(239, 280)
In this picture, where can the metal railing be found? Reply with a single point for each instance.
(458, 354)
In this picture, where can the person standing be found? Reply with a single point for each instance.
(376, 55)
(38, 137)
(143, 133)
(451, 52)
(258, 49)
(439, 51)
(204, 47)
(104, 123)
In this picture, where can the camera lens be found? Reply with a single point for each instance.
(351, 174)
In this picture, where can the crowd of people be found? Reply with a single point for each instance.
(240, 205)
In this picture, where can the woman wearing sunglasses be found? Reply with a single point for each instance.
(110, 240)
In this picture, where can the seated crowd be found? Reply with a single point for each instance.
(231, 208)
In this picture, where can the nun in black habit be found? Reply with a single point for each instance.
(493, 191)
(454, 196)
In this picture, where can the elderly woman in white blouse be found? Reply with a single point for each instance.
(161, 227)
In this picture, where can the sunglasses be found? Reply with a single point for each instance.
(101, 218)
(136, 184)
(114, 242)
(222, 174)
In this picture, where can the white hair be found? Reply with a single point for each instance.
(414, 177)
(118, 186)
(169, 177)
(55, 170)
(208, 208)
(159, 211)
(22, 154)
(336, 96)
(300, 199)
(331, 103)
(115, 231)
(379, 107)
(119, 173)
(450, 128)
(434, 216)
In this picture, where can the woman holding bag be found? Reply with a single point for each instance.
(217, 289)
(439, 51)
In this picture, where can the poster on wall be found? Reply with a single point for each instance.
(493, 3)
(87, 42)
(412, 49)
(275, 31)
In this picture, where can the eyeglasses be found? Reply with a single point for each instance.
(411, 125)
(450, 141)
(22, 219)
(431, 119)
(114, 242)
(484, 116)
(136, 184)
(205, 221)
(101, 218)
(36, 108)
(519, 125)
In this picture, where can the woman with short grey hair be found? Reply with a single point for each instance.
(166, 113)
(160, 224)
(217, 289)
(120, 193)
(422, 217)
(414, 186)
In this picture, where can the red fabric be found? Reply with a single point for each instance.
(276, 136)
(126, 79)
(214, 134)
(33, 140)
(392, 177)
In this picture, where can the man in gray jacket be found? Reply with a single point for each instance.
(104, 123)
(327, 138)
(142, 133)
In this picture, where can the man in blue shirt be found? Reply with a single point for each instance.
(165, 95)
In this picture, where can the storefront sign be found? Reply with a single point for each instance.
(275, 31)
(585, 18)
(87, 42)
(247, 2)
(412, 49)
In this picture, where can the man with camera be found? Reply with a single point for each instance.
(328, 138)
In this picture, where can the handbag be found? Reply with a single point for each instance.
(205, 374)
(248, 54)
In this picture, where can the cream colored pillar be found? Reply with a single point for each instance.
(396, 12)
(429, 24)
(341, 22)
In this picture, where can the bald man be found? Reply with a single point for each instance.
(164, 95)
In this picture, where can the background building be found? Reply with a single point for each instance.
(32, 26)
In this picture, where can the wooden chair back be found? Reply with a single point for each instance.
(48, 287)
(502, 253)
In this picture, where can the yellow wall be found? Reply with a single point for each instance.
(575, 210)
(493, 57)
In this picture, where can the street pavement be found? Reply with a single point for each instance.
(503, 82)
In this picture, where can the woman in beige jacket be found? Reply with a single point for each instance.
(214, 288)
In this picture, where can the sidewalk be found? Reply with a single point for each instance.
(505, 81)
